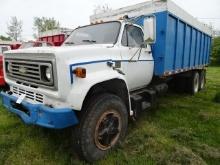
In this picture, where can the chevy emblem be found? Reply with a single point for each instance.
(22, 69)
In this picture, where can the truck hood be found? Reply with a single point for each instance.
(57, 51)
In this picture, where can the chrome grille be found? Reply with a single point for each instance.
(28, 71)
(29, 94)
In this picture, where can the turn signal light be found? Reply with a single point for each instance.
(80, 72)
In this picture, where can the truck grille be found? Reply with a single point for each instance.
(32, 72)
(29, 94)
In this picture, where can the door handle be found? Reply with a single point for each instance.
(147, 51)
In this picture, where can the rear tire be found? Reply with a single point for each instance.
(194, 83)
(202, 79)
(103, 126)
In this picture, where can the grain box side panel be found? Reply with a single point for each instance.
(158, 49)
(209, 50)
(193, 48)
(171, 43)
(205, 50)
(198, 45)
(180, 45)
(201, 49)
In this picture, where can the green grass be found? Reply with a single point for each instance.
(183, 129)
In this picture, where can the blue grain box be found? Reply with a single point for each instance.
(179, 46)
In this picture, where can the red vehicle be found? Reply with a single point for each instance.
(57, 40)
(3, 48)
(2, 80)
(15, 46)
(57, 36)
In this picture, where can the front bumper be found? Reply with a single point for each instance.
(38, 114)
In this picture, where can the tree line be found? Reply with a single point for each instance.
(41, 24)
(216, 51)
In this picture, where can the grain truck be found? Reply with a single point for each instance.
(107, 72)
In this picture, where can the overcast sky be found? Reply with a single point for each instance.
(73, 13)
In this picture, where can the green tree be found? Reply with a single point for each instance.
(14, 28)
(216, 51)
(43, 24)
(3, 38)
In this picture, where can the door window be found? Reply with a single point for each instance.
(132, 36)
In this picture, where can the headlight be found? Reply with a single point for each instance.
(48, 73)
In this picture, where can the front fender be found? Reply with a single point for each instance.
(82, 86)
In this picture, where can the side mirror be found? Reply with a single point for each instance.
(149, 27)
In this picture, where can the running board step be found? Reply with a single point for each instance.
(142, 100)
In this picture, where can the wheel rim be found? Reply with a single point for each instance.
(196, 83)
(108, 130)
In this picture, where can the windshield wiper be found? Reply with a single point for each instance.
(90, 41)
(69, 43)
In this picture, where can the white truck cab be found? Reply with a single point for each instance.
(98, 63)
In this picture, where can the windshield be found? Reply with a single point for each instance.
(105, 33)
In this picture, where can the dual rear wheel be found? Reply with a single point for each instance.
(197, 81)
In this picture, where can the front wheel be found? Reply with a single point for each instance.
(103, 126)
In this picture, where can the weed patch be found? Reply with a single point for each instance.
(182, 134)
(183, 155)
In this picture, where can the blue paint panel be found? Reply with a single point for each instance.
(210, 43)
(209, 50)
(197, 48)
(41, 115)
(193, 48)
(201, 49)
(159, 48)
(178, 45)
(205, 50)
(171, 43)
(187, 47)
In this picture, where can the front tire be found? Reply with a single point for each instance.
(103, 126)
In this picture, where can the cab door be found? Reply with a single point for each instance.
(137, 61)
